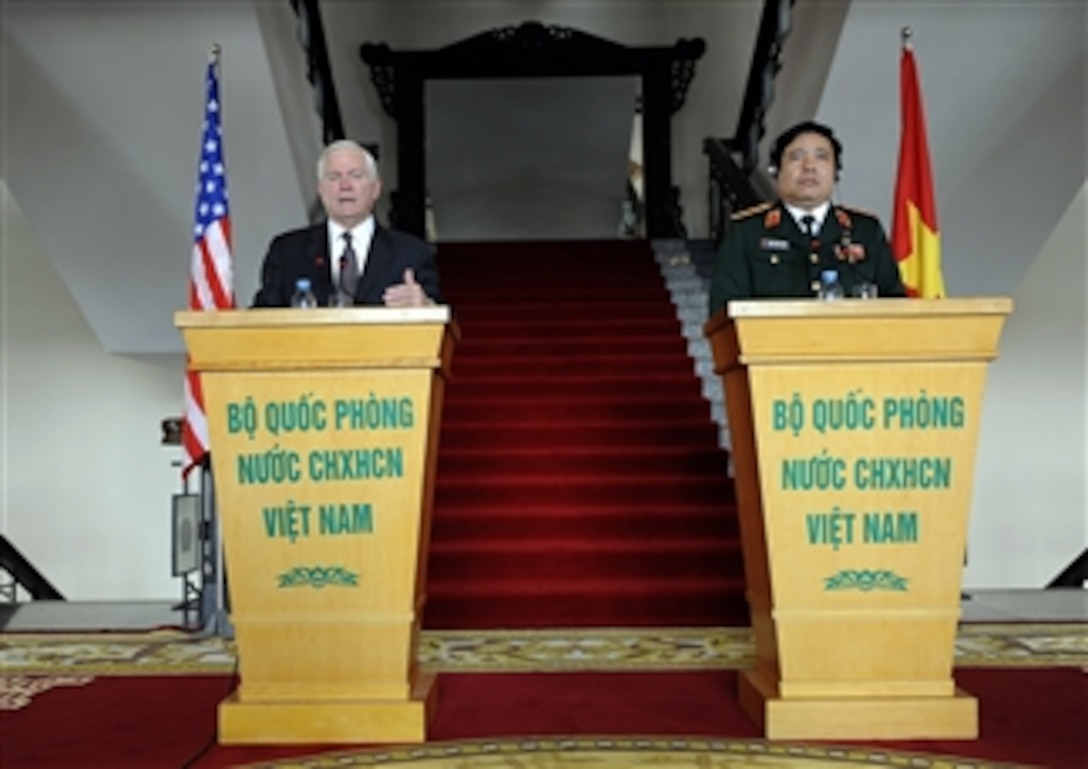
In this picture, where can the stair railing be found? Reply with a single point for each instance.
(1073, 575)
(311, 35)
(732, 162)
(25, 575)
(729, 188)
(774, 28)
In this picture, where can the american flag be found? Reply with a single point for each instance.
(212, 272)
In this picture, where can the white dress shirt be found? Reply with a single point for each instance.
(818, 214)
(361, 237)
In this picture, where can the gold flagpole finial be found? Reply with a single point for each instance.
(213, 53)
(904, 35)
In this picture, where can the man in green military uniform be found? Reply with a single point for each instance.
(780, 249)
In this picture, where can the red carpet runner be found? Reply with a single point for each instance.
(1028, 716)
(579, 481)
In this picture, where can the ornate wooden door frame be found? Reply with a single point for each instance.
(532, 49)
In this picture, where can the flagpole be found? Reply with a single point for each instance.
(220, 624)
(915, 232)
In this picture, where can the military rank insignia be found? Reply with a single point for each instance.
(849, 252)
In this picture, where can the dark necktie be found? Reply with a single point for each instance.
(349, 268)
(808, 221)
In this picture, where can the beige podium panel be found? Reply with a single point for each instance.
(323, 427)
(854, 425)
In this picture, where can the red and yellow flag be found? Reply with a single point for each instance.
(916, 238)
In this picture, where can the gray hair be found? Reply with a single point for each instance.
(348, 144)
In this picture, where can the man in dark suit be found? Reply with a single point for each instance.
(349, 258)
(780, 249)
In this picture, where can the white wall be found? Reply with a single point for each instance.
(102, 127)
(1030, 517)
(84, 484)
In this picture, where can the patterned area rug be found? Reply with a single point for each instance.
(35, 663)
(477, 651)
(626, 753)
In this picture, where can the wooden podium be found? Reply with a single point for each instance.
(854, 425)
(323, 428)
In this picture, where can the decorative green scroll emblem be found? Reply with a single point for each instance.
(319, 577)
(866, 580)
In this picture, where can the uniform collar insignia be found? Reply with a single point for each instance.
(773, 218)
(844, 219)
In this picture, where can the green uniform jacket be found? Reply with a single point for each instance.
(765, 254)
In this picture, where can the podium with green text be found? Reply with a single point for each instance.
(854, 425)
(323, 427)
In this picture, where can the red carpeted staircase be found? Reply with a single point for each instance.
(580, 483)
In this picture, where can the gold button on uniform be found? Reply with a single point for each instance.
(774, 258)
(814, 258)
(815, 285)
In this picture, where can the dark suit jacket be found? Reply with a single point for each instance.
(305, 253)
(764, 254)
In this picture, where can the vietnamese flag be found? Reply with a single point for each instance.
(916, 238)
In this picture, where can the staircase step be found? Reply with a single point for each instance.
(583, 365)
(588, 603)
(586, 345)
(560, 308)
(575, 385)
(465, 410)
(568, 329)
(560, 489)
(473, 523)
(558, 436)
(633, 460)
(462, 256)
(563, 560)
(645, 286)
(459, 261)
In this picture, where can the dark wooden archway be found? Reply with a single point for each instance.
(535, 50)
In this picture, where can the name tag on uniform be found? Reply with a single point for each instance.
(774, 244)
